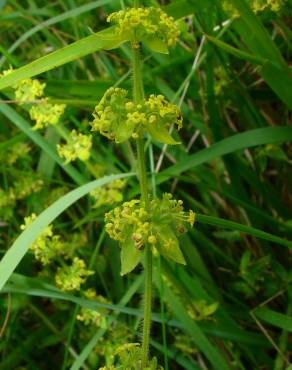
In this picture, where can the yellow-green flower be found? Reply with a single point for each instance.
(132, 225)
(28, 90)
(71, 277)
(118, 118)
(46, 114)
(78, 146)
(257, 6)
(108, 194)
(91, 317)
(47, 246)
(144, 24)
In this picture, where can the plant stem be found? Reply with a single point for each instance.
(138, 96)
(142, 172)
(147, 306)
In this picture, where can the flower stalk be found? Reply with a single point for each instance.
(138, 95)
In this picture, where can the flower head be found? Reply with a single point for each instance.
(78, 146)
(109, 194)
(146, 24)
(71, 277)
(118, 118)
(47, 245)
(92, 317)
(158, 225)
(46, 114)
(28, 90)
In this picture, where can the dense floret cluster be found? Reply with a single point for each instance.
(158, 225)
(92, 317)
(118, 118)
(77, 146)
(47, 246)
(257, 6)
(108, 194)
(45, 113)
(29, 91)
(71, 277)
(146, 23)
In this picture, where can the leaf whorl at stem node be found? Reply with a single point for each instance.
(118, 118)
(159, 226)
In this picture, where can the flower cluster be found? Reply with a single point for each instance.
(44, 113)
(28, 90)
(108, 194)
(91, 317)
(22, 187)
(145, 24)
(118, 118)
(159, 225)
(27, 185)
(71, 277)
(49, 248)
(15, 152)
(47, 245)
(78, 146)
(257, 6)
(6, 197)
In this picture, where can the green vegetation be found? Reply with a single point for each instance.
(145, 214)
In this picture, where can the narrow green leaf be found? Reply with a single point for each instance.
(17, 251)
(216, 221)
(106, 39)
(236, 52)
(274, 318)
(76, 11)
(229, 145)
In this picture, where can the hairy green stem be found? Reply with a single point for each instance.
(147, 306)
(142, 172)
(138, 95)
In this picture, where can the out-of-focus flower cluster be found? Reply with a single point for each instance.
(108, 194)
(77, 146)
(29, 91)
(118, 118)
(22, 187)
(50, 249)
(47, 246)
(144, 24)
(45, 113)
(91, 317)
(71, 277)
(257, 6)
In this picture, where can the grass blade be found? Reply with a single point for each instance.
(216, 221)
(229, 145)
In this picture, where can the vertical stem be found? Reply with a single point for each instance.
(138, 96)
(142, 172)
(147, 306)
